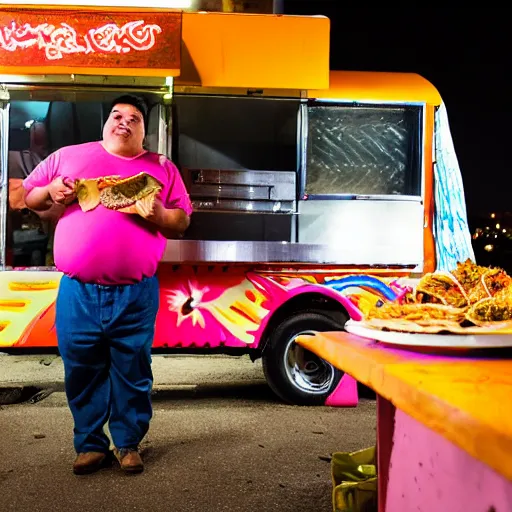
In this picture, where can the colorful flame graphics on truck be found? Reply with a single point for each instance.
(200, 306)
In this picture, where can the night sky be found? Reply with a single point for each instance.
(464, 52)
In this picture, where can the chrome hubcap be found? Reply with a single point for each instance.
(306, 370)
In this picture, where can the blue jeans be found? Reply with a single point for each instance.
(105, 334)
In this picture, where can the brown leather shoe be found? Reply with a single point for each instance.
(129, 460)
(89, 462)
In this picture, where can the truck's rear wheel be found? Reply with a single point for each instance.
(295, 374)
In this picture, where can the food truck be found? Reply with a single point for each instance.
(316, 193)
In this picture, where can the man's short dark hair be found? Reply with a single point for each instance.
(136, 101)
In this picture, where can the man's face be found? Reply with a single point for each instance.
(125, 126)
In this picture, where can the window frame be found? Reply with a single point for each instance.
(227, 97)
(418, 158)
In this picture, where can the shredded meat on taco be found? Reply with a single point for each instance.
(441, 288)
(497, 281)
(491, 310)
(127, 192)
(468, 274)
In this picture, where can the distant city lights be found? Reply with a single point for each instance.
(491, 236)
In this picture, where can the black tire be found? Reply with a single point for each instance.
(295, 374)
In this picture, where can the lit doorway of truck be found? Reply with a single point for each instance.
(40, 124)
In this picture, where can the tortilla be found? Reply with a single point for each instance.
(419, 313)
(87, 194)
(88, 190)
(416, 317)
(432, 327)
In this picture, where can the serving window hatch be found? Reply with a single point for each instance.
(363, 150)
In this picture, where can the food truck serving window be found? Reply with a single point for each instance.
(236, 133)
(363, 150)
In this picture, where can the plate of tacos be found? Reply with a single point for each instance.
(470, 306)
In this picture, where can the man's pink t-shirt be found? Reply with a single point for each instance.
(105, 246)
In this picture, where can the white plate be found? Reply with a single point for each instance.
(430, 340)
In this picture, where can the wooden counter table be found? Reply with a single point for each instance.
(444, 422)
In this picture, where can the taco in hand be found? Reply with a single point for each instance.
(115, 193)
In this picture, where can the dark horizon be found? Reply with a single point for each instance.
(462, 52)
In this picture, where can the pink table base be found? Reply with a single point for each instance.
(421, 471)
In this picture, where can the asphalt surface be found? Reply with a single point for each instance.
(219, 441)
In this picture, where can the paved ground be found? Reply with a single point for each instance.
(174, 371)
(219, 441)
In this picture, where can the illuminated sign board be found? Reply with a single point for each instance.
(167, 4)
(90, 41)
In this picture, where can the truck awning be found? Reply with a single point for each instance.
(255, 51)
